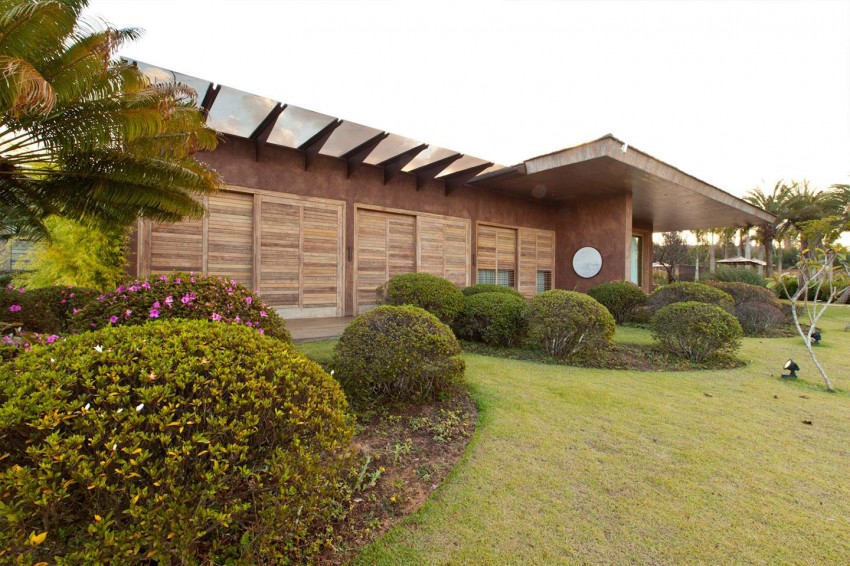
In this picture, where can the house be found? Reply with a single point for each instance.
(319, 212)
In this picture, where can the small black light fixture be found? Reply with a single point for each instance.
(792, 367)
(816, 337)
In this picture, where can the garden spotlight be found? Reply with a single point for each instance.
(792, 368)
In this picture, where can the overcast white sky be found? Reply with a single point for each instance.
(738, 94)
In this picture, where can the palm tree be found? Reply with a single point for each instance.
(776, 203)
(86, 136)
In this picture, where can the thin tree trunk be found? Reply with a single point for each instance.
(768, 255)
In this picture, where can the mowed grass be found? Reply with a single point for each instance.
(573, 465)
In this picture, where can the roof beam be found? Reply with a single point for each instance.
(501, 174)
(459, 178)
(262, 132)
(396, 163)
(430, 170)
(354, 157)
(312, 146)
(209, 99)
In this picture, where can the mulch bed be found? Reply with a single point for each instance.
(405, 453)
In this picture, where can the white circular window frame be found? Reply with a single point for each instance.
(587, 262)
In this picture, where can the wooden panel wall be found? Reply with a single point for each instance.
(443, 248)
(231, 236)
(497, 247)
(177, 247)
(386, 245)
(289, 249)
(536, 253)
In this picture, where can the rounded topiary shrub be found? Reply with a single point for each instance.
(687, 291)
(436, 295)
(181, 295)
(696, 331)
(745, 293)
(489, 288)
(564, 323)
(46, 310)
(759, 318)
(180, 442)
(397, 353)
(621, 298)
(493, 318)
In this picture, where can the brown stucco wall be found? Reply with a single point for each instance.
(282, 169)
(604, 223)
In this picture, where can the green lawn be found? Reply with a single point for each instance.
(572, 465)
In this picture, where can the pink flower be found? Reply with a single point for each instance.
(127, 313)
(120, 288)
(76, 311)
(71, 295)
(153, 313)
(134, 288)
(146, 285)
(51, 339)
(238, 319)
(261, 331)
(22, 290)
(156, 304)
(113, 319)
(15, 308)
(233, 281)
(163, 278)
(63, 301)
(187, 299)
(168, 301)
(250, 324)
(230, 290)
(263, 313)
(249, 300)
(9, 287)
(215, 316)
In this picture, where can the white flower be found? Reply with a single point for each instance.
(119, 410)
(52, 361)
(87, 407)
(114, 446)
(139, 407)
(99, 349)
(332, 372)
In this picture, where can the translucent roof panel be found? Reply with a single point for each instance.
(393, 145)
(238, 113)
(465, 162)
(297, 125)
(160, 75)
(347, 136)
(429, 155)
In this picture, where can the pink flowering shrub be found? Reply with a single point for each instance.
(45, 310)
(14, 340)
(184, 296)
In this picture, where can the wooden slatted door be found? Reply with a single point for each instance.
(497, 255)
(176, 247)
(301, 263)
(231, 236)
(443, 246)
(386, 246)
(536, 260)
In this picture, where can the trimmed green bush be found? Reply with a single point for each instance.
(621, 298)
(565, 323)
(687, 291)
(792, 284)
(493, 318)
(46, 310)
(745, 293)
(178, 442)
(436, 295)
(397, 353)
(759, 318)
(695, 330)
(489, 288)
(735, 275)
(182, 295)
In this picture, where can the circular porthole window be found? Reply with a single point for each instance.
(587, 262)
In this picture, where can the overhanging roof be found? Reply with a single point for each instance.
(662, 195)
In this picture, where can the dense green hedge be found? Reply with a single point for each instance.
(397, 353)
(181, 295)
(695, 330)
(564, 323)
(621, 298)
(489, 288)
(687, 291)
(46, 310)
(788, 284)
(436, 295)
(756, 308)
(493, 318)
(176, 442)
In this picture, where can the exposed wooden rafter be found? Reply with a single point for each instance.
(460, 178)
(312, 146)
(262, 132)
(354, 157)
(209, 99)
(430, 170)
(396, 163)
